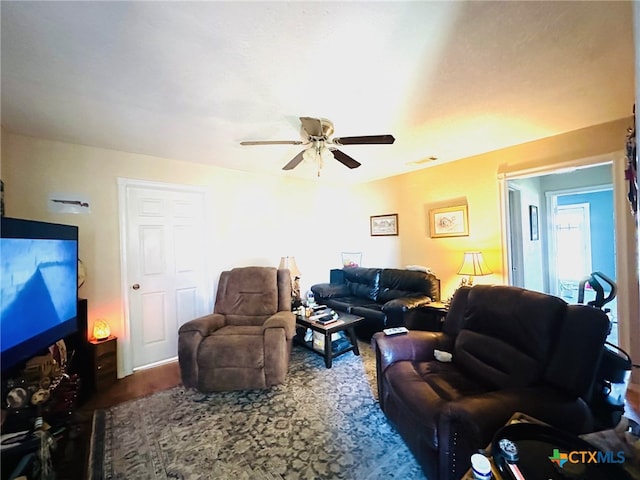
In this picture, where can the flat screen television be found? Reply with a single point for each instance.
(38, 287)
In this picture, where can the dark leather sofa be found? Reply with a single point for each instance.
(513, 350)
(385, 297)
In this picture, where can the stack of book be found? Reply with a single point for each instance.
(324, 316)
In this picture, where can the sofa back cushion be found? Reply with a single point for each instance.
(248, 295)
(508, 334)
(578, 349)
(363, 282)
(396, 283)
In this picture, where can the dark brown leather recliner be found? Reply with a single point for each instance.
(246, 342)
(514, 350)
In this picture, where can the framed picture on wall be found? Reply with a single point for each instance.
(382, 225)
(533, 222)
(449, 222)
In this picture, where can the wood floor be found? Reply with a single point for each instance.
(141, 384)
(146, 382)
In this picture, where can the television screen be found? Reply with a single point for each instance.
(38, 287)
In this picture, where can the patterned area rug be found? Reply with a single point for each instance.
(321, 424)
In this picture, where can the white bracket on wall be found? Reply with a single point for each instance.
(69, 203)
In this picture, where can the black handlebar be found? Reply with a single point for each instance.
(600, 300)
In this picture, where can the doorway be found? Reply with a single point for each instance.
(576, 230)
(582, 241)
(164, 268)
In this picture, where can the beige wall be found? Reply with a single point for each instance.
(475, 181)
(257, 218)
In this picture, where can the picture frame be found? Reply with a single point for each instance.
(534, 228)
(384, 225)
(449, 221)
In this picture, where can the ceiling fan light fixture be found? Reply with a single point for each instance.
(326, 154)
(318, 132)
(309, 155)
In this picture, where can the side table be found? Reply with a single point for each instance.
(611, 441)
(103, 356)
(431, 318)
(345, 322)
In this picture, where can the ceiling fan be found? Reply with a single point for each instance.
(318, 132)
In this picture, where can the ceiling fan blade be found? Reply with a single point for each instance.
(272, 142)
(365, 140)
(313, 126)
(345, 159)
(294, 162)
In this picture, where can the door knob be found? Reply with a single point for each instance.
(135, 286)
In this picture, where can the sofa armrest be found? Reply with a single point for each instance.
(204, 325)
(416, 346)
(330, 290)
(282, 319)
(413, 313)
(404, 304)
(190, 336)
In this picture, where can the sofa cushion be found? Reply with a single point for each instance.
(363, 282)
(345, 304)
(248, 291)
(330, 290)
(508, 334)
(495, 362)
(573, 340)
(372, 311)
(424, 388)
(396, 283)
(233, 346)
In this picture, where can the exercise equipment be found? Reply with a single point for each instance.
(600, 300)
(614, 370)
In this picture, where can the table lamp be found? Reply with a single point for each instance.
(473, 265)
(101, 329)
(290, 264)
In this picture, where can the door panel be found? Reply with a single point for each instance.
(572, 256)
(165, 268)
(152, 249)
(153, 309)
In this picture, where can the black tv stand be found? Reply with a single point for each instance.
(71, 390)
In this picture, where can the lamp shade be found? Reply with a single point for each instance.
(290, 264)
(101, 329)
(474, 265)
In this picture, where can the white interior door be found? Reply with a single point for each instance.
(572, 248)
(166, 274)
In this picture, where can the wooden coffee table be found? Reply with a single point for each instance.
(345, 323)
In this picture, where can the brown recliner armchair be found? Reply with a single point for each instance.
(514, 350)
(246, 342)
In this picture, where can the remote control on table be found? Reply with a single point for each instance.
(395, 330)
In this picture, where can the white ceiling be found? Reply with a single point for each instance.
(190, 80)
